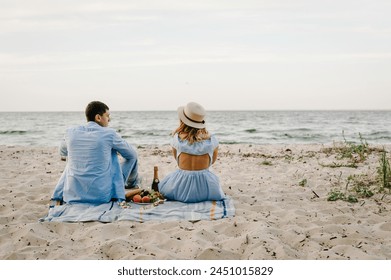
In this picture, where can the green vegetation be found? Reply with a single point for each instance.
(338, 195)
(354, 152)
(363, 185)
(384, 173)
(356, 187)
(303, 183)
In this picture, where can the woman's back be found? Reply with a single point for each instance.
(193, 162)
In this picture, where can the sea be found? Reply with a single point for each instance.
(231, 127)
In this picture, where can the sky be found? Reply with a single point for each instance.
(225, 54)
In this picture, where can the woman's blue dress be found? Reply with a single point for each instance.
(192, 186)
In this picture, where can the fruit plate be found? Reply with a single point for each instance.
(141, 203)
(149, 203)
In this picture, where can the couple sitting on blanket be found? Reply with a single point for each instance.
(95, 173)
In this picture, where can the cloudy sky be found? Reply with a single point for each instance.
(225, 54)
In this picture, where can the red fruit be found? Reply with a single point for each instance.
(146, 199)
(137, 198)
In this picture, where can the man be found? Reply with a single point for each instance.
(94, 173)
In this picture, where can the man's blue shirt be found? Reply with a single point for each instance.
(93, 172)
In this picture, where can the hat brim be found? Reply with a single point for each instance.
(186, 121)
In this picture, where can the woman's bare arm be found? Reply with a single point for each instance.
(174, 152)
(215, 153)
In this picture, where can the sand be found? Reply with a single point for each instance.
(281, 198)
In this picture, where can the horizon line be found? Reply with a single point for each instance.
(210, 110)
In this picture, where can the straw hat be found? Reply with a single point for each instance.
(192, 114)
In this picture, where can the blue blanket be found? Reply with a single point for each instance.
(169, 210)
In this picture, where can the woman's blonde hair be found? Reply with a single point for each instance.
(192, 134)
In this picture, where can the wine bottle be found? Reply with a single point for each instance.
(155, 182)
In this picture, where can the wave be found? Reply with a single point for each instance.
(229, 142)
(380, 133)
(13, 132)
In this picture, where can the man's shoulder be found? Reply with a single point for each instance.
(104, 130)
(92, 127)
(75, 127)
(79, 127)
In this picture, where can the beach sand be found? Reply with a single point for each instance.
(280, 194)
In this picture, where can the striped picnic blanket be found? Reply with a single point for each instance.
(169, 210)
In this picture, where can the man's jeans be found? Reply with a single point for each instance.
(130, 173)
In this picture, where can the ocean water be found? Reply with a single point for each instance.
(231, 127)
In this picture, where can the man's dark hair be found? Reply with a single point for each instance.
(95, 107)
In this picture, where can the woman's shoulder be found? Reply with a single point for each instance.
(207, 143)
(175, 140)
(214, 141)
(213, 137)
(180, 140)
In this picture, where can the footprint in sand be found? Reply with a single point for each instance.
(385, 226)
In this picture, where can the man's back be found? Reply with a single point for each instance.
(93, 173)
(89, 163)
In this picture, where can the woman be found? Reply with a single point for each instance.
(195, 150)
